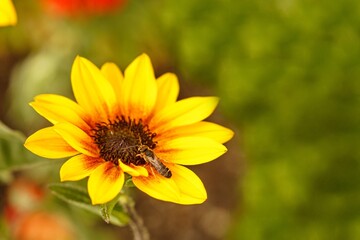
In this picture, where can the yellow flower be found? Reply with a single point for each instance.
(129, 124)
(7, 13)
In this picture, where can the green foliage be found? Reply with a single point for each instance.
(111, 212)
(290, 81)
(13, 155)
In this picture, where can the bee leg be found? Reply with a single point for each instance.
(152, 171)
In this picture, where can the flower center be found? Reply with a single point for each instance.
(120, 140)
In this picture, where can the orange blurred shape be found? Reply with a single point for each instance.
(82, 7)
(43, 226)
(23, 195)
(23, 199)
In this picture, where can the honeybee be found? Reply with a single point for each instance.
(149, 156)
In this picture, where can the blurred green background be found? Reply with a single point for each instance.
(287, 73)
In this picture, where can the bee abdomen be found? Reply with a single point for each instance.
(165, 172)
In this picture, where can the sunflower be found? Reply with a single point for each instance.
(129, 125)
(7, 13)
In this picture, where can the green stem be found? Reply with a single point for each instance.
(136, 223)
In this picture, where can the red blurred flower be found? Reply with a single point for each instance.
(27, 220)
(22, 196)
(43, 226)
(82, 7)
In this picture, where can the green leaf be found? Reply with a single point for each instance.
(13, 154)
(78, 196)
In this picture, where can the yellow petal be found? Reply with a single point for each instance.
(134, 170)
(7, 13)
(79, 167)
(91, 89)
(77, 138)
(57, 109)
(105, 182)
(139, 89)
(192, 190)
(158, 187)
(184, 112)
(183, 187)
(49, 144)
(114, 76)
(200, 129)
(168, 90)
(189, 150)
